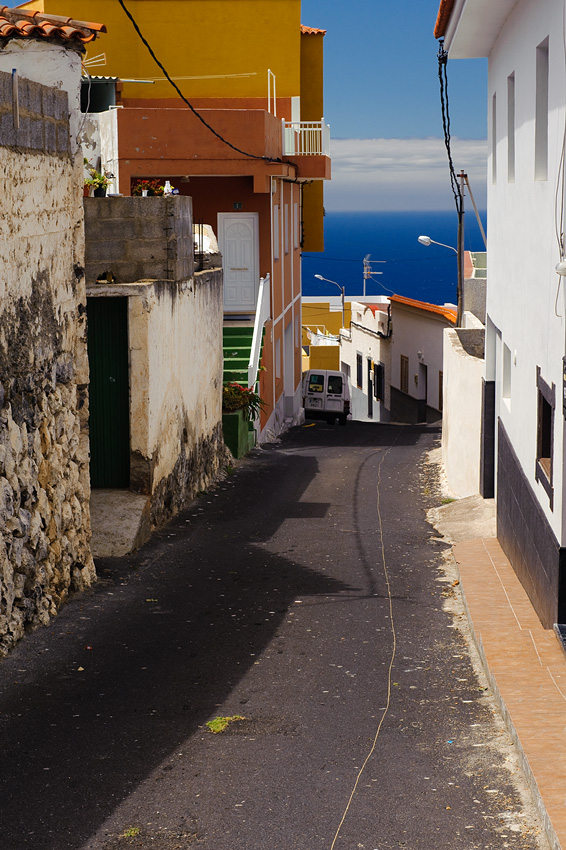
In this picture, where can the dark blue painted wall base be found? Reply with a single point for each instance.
(526, 537)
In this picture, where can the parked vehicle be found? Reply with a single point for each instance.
(326, 395)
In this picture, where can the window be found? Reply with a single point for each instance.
(359, 371)
(335, 384)
(541, 112)
(545, 435)
(404, 376)
(286, 227)
(494, 139)
(316, 383)
(278, 358)
(506, 383)
(276, 233)
(511, 128)
(296, 224)
(379, 381)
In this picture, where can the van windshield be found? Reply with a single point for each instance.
(316, 383)
(335, 384)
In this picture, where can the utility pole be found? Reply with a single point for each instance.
(462, 177)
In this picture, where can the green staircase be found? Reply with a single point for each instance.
(237, 345)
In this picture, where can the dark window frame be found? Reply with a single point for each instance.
(404, 374)
(359, 371)
(544, 465)
(379, 381)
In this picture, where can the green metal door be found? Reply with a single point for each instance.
(109, 392)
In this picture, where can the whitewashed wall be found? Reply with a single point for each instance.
(416, 331)
(461, 416)
(176, 362)
(523, 286)
(364, 340)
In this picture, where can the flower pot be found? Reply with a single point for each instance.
(100, 192)
(235, 428)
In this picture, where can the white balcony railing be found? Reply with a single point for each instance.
(306, 138)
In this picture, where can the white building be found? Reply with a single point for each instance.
(525, 344)
(392, 353)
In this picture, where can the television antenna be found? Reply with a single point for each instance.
(368, 271)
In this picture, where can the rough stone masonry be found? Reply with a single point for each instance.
(44, 474)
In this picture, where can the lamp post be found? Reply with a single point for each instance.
(341, 288)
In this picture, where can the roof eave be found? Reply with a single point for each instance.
(471, 27)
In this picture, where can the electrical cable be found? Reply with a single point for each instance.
(444, 103)
(83, 122)
(184, 99)
(379, 283)
(393, 646)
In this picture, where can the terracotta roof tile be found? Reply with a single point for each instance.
(23, 23)
(312, 31)
(444, 12)
(446, 312)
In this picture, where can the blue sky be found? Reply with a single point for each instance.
(383, 105)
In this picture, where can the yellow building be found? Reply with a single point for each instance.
(253, 75)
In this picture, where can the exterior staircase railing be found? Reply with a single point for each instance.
(262, 313)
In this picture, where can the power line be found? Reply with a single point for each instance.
(184, 99)
(443, 79)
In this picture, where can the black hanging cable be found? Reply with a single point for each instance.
(184, 99)
(443, 78)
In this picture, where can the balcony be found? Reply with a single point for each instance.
(308, 144)
(306, 138)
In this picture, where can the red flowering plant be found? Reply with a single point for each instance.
(152, 187)
(237, 397)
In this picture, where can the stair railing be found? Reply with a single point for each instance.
(262, 313)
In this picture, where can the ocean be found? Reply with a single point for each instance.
(407, 268)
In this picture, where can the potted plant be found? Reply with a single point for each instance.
(153, 187)
(97, 181)
(240, 405)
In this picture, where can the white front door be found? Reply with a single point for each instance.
(238, 243)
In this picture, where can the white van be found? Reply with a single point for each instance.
(326, 395)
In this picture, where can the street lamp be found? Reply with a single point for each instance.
(341, 288)
(426, 240)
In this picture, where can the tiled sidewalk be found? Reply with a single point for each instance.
(526, 666)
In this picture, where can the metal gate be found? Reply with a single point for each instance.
(109, 420)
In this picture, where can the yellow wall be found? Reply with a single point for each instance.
(313, 216)
(312, 104)
(196, 37)
(324, 357)
(318, 315)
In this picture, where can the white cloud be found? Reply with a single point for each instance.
(402, 174)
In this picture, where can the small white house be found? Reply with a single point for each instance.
(392, 353)
(525, 352)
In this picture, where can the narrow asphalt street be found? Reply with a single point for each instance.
(275, 597)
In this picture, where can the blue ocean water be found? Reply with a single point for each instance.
(409, 268)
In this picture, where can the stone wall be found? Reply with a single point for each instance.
(44, 477)
(139, 238)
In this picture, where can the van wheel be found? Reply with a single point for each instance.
(331, 420)
(343, 419)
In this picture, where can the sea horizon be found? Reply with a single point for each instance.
(407, 267)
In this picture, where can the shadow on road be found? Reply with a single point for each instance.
(93, 704)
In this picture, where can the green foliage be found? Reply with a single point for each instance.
(237, 397)
(219, 724)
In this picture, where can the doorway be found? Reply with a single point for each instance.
(239, 245)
